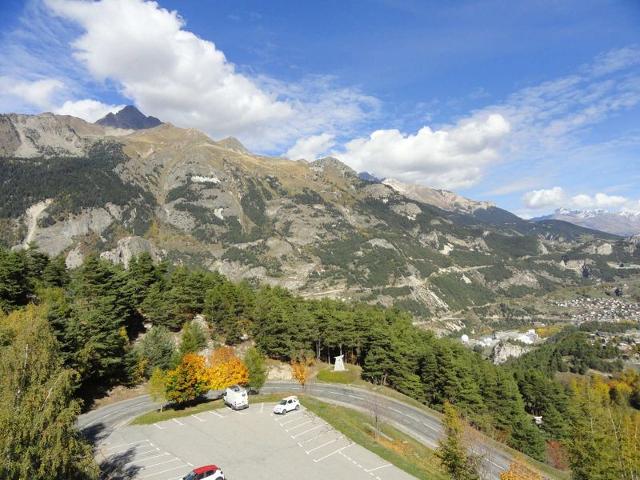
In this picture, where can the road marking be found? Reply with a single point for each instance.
(306, 431)
(378, 468)
(319, 447)
(316, 460)
(431, 427)
(178, 421)
(262, 407)
(163, 471)
(197, 418)
(212, 412)
(159, 427)
(133, 462)
(396, 410)
(299, 425)
(174, 459)
(290, 414)
(126, 444)
(312, 438)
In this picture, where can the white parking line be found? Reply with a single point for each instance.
(299, 425)
(163, 471)
(127, 445)
(174, 459)
(213, 412)
(320, 446)
(306, 431)
(312, 438)
(262, 407)
(159, 427)
(378, 468)
(332, 453)
(178, 422)
(198, 418)
(133, 462)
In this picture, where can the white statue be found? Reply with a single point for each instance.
(338, 366)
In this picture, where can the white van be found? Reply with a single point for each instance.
(236, 397)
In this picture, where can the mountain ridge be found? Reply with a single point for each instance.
(625, 223)
(316, 228)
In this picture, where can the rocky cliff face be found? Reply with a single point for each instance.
(314, 227)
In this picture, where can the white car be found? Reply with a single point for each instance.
(287, 405)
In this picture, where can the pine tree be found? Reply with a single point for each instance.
(255, 362)
(158, 348)
(193, 338)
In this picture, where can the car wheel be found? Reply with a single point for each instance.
(297, 407)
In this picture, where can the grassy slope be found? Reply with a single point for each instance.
(395, 447)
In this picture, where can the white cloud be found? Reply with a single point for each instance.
(173, 74)
(599, 200)
(37, 92)
(544, 198)
(87, 109)
(311, 148)
(556, 197)
(451, 157)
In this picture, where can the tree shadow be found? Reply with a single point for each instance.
(95, 433)
(118, 466)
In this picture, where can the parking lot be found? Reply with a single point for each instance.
(249, 444)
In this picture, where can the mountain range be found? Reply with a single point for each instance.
(625, 223)
(74, 187)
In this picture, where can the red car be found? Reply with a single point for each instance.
(209, 472)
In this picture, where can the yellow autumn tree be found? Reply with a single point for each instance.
(300, 370)
(226, 369)
(188, 380)
(519, 471)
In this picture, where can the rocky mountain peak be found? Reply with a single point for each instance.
(444, 199)
(129, 118)
(232, 143)
(325, 163)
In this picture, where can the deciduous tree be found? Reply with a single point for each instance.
(38, 411)
(226, 369)
(188, 380)
(452, 452)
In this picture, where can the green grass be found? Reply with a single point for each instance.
(156, 416)
(351, 376)
(394, 446)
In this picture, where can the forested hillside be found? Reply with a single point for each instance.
(95, 313)
(315, 228)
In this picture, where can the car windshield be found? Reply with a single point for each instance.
(190, 476)
(283, 402)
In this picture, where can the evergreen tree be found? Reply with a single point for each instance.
(158, 349)
(15, 284)
(193, 338)
(255, 362)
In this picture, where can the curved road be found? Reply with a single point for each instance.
(422, 424)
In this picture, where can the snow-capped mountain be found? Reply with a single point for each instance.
(624, 222)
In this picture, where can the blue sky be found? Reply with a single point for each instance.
(532, 104)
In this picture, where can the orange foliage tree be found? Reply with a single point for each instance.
(300, 370)
(188, 380)
(519, 471)
(226, 369)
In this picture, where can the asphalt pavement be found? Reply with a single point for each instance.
(423, 424)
